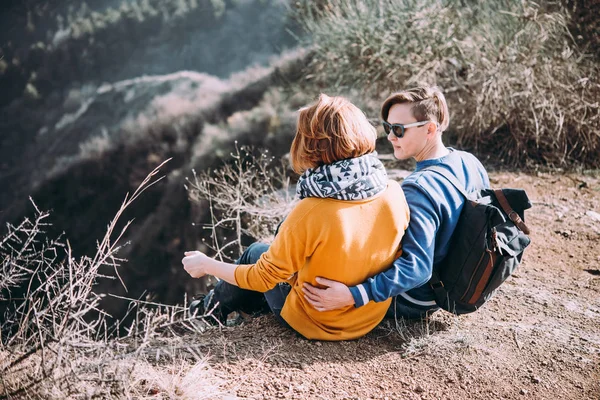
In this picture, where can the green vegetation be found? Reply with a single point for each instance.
(85, 42)
(518, 86)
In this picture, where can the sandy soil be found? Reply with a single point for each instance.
(538, 338)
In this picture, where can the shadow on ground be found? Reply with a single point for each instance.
(263, 339)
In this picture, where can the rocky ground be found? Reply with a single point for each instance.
(538, 338)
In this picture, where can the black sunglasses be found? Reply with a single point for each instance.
(399, 129)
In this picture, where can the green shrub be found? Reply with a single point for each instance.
(516, 84)
(86, 41)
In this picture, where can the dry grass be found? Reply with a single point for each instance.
(57, 343)
(518, 86)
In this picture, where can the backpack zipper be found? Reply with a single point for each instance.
(472, 276)
(483, 281)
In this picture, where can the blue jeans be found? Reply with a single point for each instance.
(276, 299)
(232, 298)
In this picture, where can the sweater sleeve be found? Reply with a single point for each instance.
(414, 267)
(286, 255)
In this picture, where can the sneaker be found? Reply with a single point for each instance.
(203, 305)
(196, 308)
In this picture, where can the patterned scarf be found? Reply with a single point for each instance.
(351, 179)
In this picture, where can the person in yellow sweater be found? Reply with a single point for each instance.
(347, 226)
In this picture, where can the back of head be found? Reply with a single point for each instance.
(329, 130)
(429, 104)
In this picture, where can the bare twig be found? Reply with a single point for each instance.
(248, 197)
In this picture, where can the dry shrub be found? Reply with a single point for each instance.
(517, 85)
(585, 24)
(180, 379)
(247, 197)
(531, 96)
(55, 341)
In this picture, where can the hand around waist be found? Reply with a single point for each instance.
(333, 296)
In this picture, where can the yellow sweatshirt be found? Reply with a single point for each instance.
(346, 241)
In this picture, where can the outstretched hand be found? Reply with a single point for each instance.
(196, 263)
(334, 296)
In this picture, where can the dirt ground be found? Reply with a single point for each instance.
(538, 338)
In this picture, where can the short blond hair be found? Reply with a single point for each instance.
(428, 102)
(329, 130)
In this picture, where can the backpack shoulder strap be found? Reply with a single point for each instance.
(451, 178)
(515, 218)
(435, 283)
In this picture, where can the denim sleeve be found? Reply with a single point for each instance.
(414, 267)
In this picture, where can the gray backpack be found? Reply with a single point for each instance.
(485, 249)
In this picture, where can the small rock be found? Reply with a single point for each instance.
(523, 392)
(419, 389)
(593, 215)
(564, 233)
(535, 379)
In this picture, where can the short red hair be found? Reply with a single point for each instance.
(332, 129)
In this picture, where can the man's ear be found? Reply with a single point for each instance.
(432, 128)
